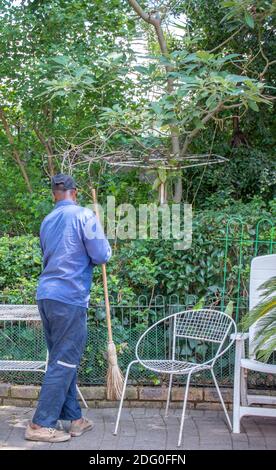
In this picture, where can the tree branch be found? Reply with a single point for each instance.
(194, 132)
(226, 40)
(48, 148)
(267, 62)
(140, 12)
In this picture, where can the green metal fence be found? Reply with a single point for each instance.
(239, 245)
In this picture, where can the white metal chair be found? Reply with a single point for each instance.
(170, 339)
(17, 314)
(262, 269)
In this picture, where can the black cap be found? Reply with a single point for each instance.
(63, 182)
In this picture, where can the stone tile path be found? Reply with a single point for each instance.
(146, 429)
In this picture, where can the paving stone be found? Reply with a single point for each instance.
(240, 445)
(125, 443)
(194, 413)
(268, 429)
(153, 412)
(127, 430)
(42, 445)
(252, 429)
(241, 437)
(138, 411)
(271, 443)
(213, 446)
(145, 429)
(256, 442)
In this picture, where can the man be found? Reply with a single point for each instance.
(72, 242)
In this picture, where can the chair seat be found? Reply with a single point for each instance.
(169, 365)
(258, 366)
(22, 365)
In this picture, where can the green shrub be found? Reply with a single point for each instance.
(152, 266)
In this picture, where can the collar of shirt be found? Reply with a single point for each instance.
(66, 202)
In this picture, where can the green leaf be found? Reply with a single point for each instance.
(229, 308)
(156, 108)
(198, 123)
(228, 3)
(211, 102)
(204, 55)
(253, 105)
(72, 101)
(236, 78)
(58, 93)
(62, 60)
(227, 58)
(142, 70)
(199, 304)
(156, 184)
(249, 20)
(162, 175)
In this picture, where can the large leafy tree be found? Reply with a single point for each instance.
(62, 43)
(195, 82)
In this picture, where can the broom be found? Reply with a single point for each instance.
(115, 378)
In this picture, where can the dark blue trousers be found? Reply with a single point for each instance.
(65, 328)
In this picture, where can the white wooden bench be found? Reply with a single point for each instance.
(262, 269)
(16, 314)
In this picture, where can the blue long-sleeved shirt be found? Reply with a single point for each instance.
(72, 242)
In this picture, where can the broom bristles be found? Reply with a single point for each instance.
(115, 378)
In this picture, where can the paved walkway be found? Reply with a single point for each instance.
(145, 429)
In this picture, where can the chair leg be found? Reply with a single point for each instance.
(221, 400)
(122, 397)
(238, 378)
(82, 397)
(169, 396)
(184, 410)
(244, 400)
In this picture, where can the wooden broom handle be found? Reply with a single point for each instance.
(106, 298)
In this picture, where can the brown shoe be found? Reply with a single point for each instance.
(46, 435)
(77, 429)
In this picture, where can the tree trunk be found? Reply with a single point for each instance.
(178, 189)
(15, 152)
(238, 137)
(155, 20)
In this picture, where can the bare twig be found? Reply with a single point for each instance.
(227, 40)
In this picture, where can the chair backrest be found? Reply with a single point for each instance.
(203, 326)
(262, 269)
(9, 312)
